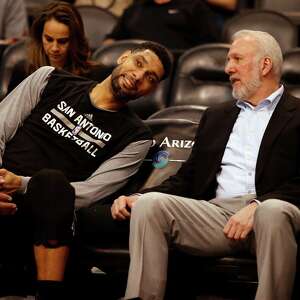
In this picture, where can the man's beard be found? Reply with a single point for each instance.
(246, 90)
(123, 95)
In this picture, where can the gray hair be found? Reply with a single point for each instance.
(267, 46)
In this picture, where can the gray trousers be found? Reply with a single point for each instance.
(160, 220)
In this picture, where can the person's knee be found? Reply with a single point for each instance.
(273, 214)
(48, 192)
(149, 205)
(48, 178)
(50, 199)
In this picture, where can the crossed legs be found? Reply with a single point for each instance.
(160, 220)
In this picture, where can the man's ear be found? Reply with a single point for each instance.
(123, 57)
(267, 66)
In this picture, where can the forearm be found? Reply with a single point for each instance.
(111, 175)
(226, 4)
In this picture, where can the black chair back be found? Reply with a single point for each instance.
(291, 66)
(174, 140)
(35, 5)
(12, 55)
(279, 5)
(200, 78)
(275, 23)
(291, 71)
(186, 112)
(295, 91)
(97, 23)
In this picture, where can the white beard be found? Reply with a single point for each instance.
(246, 90)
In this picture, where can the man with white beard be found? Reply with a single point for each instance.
(239, 189)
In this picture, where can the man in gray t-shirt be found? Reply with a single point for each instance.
(13, 21)
(60, 149)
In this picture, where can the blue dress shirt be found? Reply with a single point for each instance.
(237, 174)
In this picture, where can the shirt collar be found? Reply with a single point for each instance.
(270, 101)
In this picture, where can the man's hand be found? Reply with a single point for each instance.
(6, 207)
(9, 182)
(241, 223)
(121, 207)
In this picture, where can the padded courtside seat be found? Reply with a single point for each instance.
(187, 112)
(278, 5)
(174, 139)
(33, 8)
(97, 23)
(291, 71)
(199, 78)
(295, 91)
(275, 23)
(35, 5)
(12, 55)
(145, 106)
(108, 54)
(291, 66)
(290, 8)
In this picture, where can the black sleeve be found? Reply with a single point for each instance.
(120, 31)
(288, 191)
(204, 23)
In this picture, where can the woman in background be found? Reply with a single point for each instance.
(57, 39)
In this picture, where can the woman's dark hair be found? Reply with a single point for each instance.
(78, 52)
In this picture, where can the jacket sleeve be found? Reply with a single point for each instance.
(287, 191)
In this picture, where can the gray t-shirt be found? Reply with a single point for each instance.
(110, 176)
(13, 19)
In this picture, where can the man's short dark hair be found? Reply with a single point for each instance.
(162, 53)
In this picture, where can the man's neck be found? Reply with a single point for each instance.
(102, 97)
(263, 92)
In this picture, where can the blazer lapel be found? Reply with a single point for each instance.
(227, 121)
(230, 116)
(280, 117)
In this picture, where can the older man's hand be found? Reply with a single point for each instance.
(241, 223)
